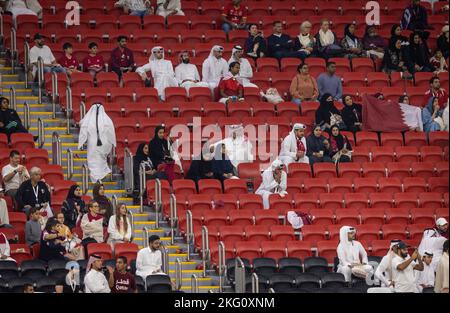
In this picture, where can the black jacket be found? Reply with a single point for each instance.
(25, 194)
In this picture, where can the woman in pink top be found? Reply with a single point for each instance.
(303, 86)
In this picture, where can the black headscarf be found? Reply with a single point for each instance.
(347, 32)
(395, 37)
(70, 212)
(221, 163)
(337, 142)
(351, 114)
(199, 168)
(418, 52)
(103, 202)
(140, 156)
(158, 148)
(324, 110)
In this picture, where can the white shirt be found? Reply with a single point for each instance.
(147, 262)
(270, 184)
(351, 253)
(214, 69)
(405, 280)
(425, 277)
(13, 183)
(174, 5)
(245, 71)
(383, 272)
(186, 71)
(114, 233)
(45, 53)
(95, 282)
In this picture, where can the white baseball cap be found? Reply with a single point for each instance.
(441, 221)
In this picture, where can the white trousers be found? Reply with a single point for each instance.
(347, 271)
(163, 12)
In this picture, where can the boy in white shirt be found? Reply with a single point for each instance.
(14, 174)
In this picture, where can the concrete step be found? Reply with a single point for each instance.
(202, 282)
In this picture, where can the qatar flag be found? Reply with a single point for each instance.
(388, 116)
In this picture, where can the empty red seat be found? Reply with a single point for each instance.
(331, 201)
(327, 249)
(417, 139)
(362, 65)
(184, 187)
(313, 234)
(209, 186)
(273, 249)
(398, 170)
(107, 79)
(431, 154)
(365, 185)
(414, 184)
(281, 205)
(442, 169)
(267, 65)
(422, 216)
(340, 185)
(407, 154)
(248, 249)
(393, 231)
(282, 233)
(397, 216)
(347, 216)
(175, 94)
(422, 169)
(356, 200)
(241, 217)
(322, 216)
(381, 200)
(366, 139)
(235, 186)
(368, 232)
(324, 170)
(390, 185)
(306, 202)
(22, 141)
(416, 230)
(360, 154)
(231, 234)
(199, 202)
(299, 249)
(266, 217)
(349, 170)
(438, 184)
(377, 79)
(128, 250)
(52, 172)
(250, 202)
(299, 170)
(391, 139)
(315, 185)
(101, 249)
(380, 247)
(382, 154)
(354, 79)
(372, 216)
(215, 218)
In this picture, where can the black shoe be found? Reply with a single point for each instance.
(35, 138)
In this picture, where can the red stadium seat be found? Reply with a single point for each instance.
(177, 22)
(306, 201)
(257, 232)
(431, 154)
(266, 217)
(274, 250)
(366, 139)
(416, 230)
(250, 202)
(225, 202)
(342, 65)
(390, 185)
(231, 234)
(324, 170)
(438, 139)
(380, 247)
(235, 186)
(107, 79)
(342, 185)
(101, 249)
(248, 250)
(299, 249)
(377, 79)
(361, 154)
(332, 201)
(217, 218)
(153, 22)
(199, 202)
(422, 216)
(22, 141)
(356, 200)
(315, 185)
(267, 65)
(397, 216)
(327, 250)
(313, 234)
(393, 231)
(241, 217)
(52, 172)
(382, 154)
(281, 205)
(35, 157)
(423, 170)
(209, 186)
(407, 155)
(398, 170)
(322, 216)
(299, 170)
(442, 169)
(184, 187)
(347, 217)
(62, 187)
(365, 185)
(381, 200)
(128, 250)
(368, 232)
(362, 65)
(376, 170)
(349, 170)
(417, 139)
(438, 184)
(406, 200)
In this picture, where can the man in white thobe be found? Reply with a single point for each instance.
(149, 260)
(95, 281)
(162, 71)
(293, 148)
(425, 278)
(24, 7)
(97, 130)
(352, 255)
(187, 74)
(214, 67)
(383, 272)
(245, 72)
(5, 250)
(274, 181)
(168, 7)
(237, 146)
(433, 243)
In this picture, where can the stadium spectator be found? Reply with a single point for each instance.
(395, 59)
(122, 58)
(432, 242)
(234, 16)
(40, 50)
(201, 167)
(403, 267)
(327, 114)
(326, 41)
(231, 88)
(351, 114)
(293, 148)
(442, 227)
(168, 7)
(237, 145)
(105, 205)
(305, 41)
(384, 270)
(92, 224)
(98, 133)
(23, 7)
(221, 165)
(352, 255)
(121, 281)
(438, 62)
(149, 259)
(303, 86)
(159, 151)
(10, 121)
(33, 228)
(119, 226)
(352, 45)
(187, 74)
(73, 207)
(162, 72)
(340, 147)
(34, 193)
(425, 278)
(317, 147)
(418, 54)
(274, 181)
(52, 245)
(214, 67)
(69, 241)
(95, 281)
(68, 61)
(93, 63)
(4, 216)
(432, 116)
(436, 91)
(135, 7)
(396, 34)
(245, 72)
(143, 157)
(373, 43)
(443, 42)
(442, 273)
(255, 44)
(330, 83)
(5, 249)
(14, 174)
(280, 45)
(415, 17)
(28, 288)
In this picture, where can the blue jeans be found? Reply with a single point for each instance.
(51, 69)
(297, 101)
(226, 27)
(139, 13)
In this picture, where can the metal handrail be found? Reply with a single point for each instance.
(112, 159)
(222, 268)
(205, 248)
(1, 26)
(271, 290)
(13, 50)
(189, 233)
(142, 185)
(239, 275)
(69, 108)
(26, 54)
(85, 178)
(255, 283)
(194, 284)
(114, 202)
(12, 98)
(131, 222)
(56, 149)
(41, 132)
(26, 115)
(178, 274)
(145, 231)
(173, 217)
(70, 162)
(40, 74)
(55, 94)
(165, 259)
(128, 171)
(82, 110)
(158, 201)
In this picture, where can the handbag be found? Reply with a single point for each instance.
(336, 119)
(358, 271)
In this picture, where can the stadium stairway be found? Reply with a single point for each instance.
(113, 184)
